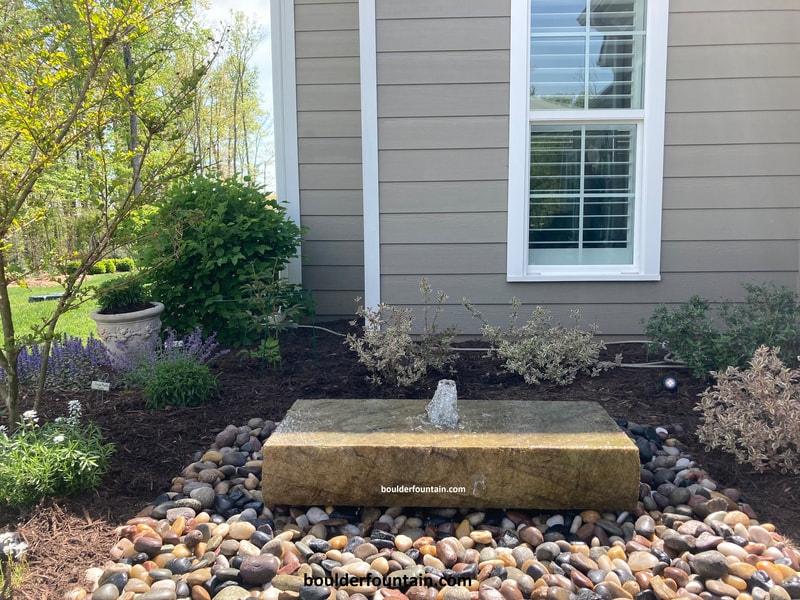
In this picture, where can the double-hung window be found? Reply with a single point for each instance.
(586, 139)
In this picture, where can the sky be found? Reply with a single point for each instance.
(259, 10)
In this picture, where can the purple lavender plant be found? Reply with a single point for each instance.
(72, 365)
(136, 368)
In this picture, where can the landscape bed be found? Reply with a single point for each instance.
(68, 536)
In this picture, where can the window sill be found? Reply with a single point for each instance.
(585, 276)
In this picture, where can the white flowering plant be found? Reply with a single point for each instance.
(12, 563)
(58, 458)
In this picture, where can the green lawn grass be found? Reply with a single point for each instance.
(75, 322)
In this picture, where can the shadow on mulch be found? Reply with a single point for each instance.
(67, 536)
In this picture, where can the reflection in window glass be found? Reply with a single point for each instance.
(587, 55)
(582, 186)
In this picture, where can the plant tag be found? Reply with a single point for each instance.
(102, 386)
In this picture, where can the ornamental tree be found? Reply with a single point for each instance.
(90, 110)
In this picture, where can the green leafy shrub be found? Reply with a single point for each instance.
(70, 266)
(123, 294)
(768, 316)
(228, 229)
(109, 264)
(272, 306)
(59, 458)
(387, 348)
(539, 351)
(98, 268)
(179, 382)
(754, 413)
(124, 265)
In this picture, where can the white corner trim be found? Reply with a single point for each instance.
(518, 143)
(369, 153)
(284, 86)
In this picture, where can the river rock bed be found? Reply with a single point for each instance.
(211, 537)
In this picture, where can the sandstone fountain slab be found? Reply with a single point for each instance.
(503, 454)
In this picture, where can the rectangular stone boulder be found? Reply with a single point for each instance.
(503, 454)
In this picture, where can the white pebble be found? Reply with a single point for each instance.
(672, 450)
(386, 518)
(413, 523)
(475, 518)
(507, 523)
(302, 521)
(400, 521)
(270, 594)
(662, 432)
(731, 549)
(576, 524)
(315, 514)
(394, 511)
(621, 564)
(708, 484)
(683, 462)
(774, 552)
(164, 584)
(555, 520)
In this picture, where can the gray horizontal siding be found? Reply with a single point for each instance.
(335, 304)
(731, 192)
(433, 9)
(443, 165)
(493, 289)
(330, 97)
(753, 224)
(746, 94)
(435, 100)
(732, 160)
(735, 127)
(721, 6)
(340, 252)
(331, 202)
(329, 151)
(321, 124)
(334, 277)
(327, 70)
(333, 228)
(443, 34)
(733, 27)
(472, 258)
(326, 44)
(330, 177)
(487, 66)
(429, 133)
(733, 61)
(444, 196)
(326, 16)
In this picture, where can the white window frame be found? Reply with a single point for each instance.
(649, 156)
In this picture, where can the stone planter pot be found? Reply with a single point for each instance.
(131, 331)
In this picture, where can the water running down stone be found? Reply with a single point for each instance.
(443, 409)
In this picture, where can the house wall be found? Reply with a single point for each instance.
(731, 210)
(731, 159)
(329, 151)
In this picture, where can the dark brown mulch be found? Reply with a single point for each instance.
(69, 536)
